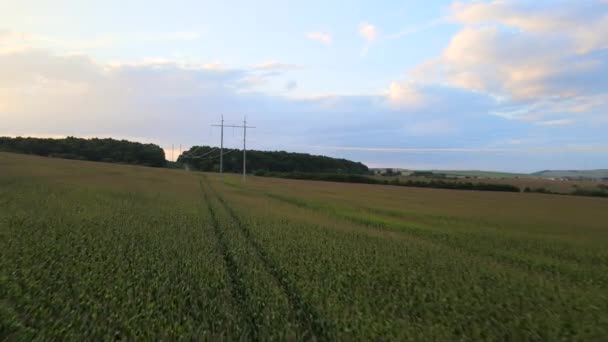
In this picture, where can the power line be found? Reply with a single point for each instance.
(212, 150)
(244, 127)
(221, 155)
(202, 155)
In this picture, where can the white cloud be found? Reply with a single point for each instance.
(76, 90)
(404, 95)
(545, 58)
(163, 101)
(368, 31)
(14, 40)
(508, 13)
(586, 25)
(557, 122)
(276, 66)
(320, 36)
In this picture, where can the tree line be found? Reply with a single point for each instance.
(206, 158)
(600, 191)
(437, 184)
(103, 150)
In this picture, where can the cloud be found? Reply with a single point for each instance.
(174, 102)
(15, 40)
(320, 36)
(276, 66)
(260, 76)
(557, 122)
(368, 31)
(585, 24)
(538, 59)
(413, 30)
(404, 95)
(171, 101)
(161, 100)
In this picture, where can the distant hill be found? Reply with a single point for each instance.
(573, 174)
(206, 158)
(478, 173)
(103, 150)
(593, 174)
(456, 173)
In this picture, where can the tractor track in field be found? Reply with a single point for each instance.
(315, 327)
(548, 270)
(237, 286)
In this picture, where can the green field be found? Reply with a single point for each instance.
(557, 186)
(573, 173)
(484, 174)
(93, 251)
(469, 173)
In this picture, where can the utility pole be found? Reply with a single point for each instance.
(244, 147)
(244, 127)
(222, 149)
(172, 149)
(221, 145)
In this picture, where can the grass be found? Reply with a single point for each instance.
(555, 186)
(101, 251)
(484, 174)
(573, 173)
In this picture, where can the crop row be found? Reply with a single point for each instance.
(536, 255)
(81, 264)
(112, 252)
(370, 281)
(272, 307)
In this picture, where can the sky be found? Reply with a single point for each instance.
(492, 85)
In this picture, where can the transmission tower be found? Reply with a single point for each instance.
(244, 127)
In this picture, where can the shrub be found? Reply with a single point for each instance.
(353, 178)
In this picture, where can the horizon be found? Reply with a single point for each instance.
(177, 153)
(511, 86)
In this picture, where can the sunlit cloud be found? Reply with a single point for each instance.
(543, 59)
(320, 36)
(404, 95)
(368, 31)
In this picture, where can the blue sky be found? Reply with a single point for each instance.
(504, 85)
